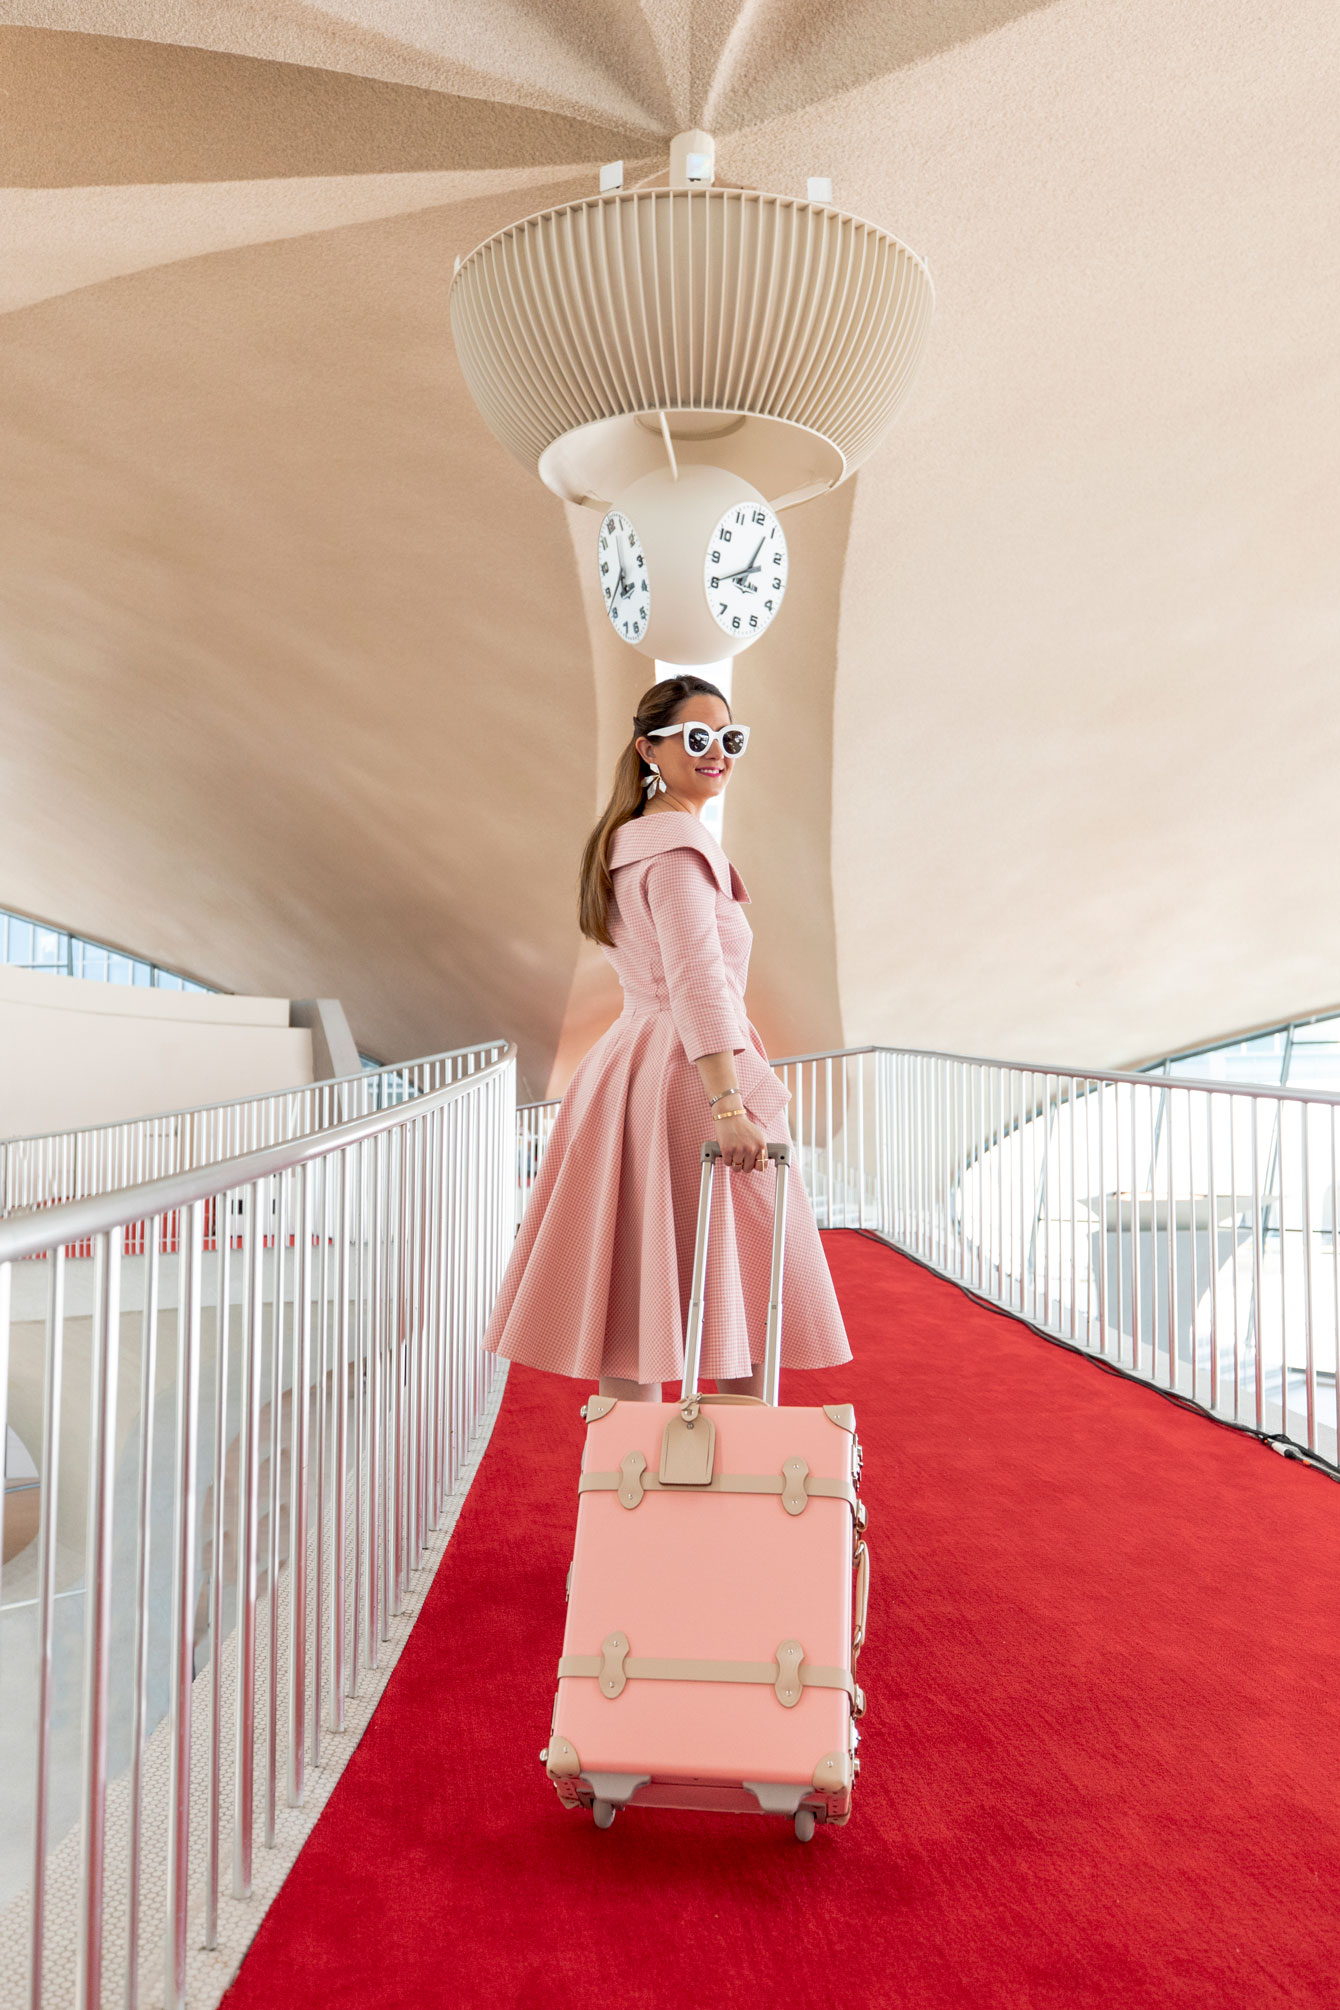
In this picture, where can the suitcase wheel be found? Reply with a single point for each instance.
(603, 1813)
(804, 1824)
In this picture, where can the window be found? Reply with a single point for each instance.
(33, 945)
(1302, 1054)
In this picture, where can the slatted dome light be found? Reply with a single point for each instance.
(770, 336)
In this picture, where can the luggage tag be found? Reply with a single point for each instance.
(688, 1448)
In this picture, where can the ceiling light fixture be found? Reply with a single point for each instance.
(649, 331)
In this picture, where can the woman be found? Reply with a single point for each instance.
(599, 1278)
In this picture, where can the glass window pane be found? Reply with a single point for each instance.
(143, 974)
(119, 969)
(1258, 1061)
(1315, 1068)
(1322, 1032)
(165, 981)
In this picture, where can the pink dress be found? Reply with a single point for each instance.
(599, 1279)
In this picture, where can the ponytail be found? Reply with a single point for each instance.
(656, 708)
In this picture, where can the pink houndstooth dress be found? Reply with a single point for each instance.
(598, 1283)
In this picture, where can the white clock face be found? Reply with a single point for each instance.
(744, 572)
(623, 576)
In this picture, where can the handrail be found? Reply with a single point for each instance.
(57, 1166)
(1206, 1082)
(1063, 1070)
(41, 1228)
(324, 1083)
(304, 1323)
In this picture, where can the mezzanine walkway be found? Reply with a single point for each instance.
(1100, 1759)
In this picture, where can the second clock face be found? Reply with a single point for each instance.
(744, 571)
(623, 576)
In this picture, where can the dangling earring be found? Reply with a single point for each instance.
(652, 783)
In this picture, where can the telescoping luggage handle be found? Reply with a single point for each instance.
(693, 1338)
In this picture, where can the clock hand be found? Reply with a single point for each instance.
(753, 565)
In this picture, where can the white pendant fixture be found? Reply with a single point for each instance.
(657, 331)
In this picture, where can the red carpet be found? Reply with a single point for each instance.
(1102, 1756)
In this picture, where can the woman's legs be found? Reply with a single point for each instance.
(630, 1392)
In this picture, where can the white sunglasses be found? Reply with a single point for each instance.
(698, 738)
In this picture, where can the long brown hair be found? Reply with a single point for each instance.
(656, 707)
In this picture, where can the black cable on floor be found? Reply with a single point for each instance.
(1275, 1440)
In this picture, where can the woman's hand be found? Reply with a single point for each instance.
(743, 1144)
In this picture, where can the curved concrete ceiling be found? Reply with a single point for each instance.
(307, 686)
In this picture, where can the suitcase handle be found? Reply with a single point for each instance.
(862, 1562)
(693, 1336)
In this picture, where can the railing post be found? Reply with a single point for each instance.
(182, 1668)
(98, 1610)
(248, 1502)
(298, 1538)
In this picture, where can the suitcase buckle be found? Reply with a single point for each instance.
(614, 1652)
(631, 1468)
(788, 1686)
(795, 1472)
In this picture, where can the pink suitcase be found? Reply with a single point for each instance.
(709, 1657)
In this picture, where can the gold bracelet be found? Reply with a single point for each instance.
(721, 1116)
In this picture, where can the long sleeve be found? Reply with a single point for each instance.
(682, 897)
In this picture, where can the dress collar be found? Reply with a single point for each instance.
(644, 837)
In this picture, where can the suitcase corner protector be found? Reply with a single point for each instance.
(560, 1759)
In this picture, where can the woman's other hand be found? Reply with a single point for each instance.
(743, 1144)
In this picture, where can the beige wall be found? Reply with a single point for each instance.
(75, 1053)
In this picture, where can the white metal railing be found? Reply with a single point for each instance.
(71, 1165)
(534, 1123)
(1184, 1231)
(302, 1327)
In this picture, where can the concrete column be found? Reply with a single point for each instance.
(334, 1052)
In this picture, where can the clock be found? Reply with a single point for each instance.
(717, 553)
(623, 577)
(744, 570)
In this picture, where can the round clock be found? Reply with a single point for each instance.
(623, 577)
(744, 570)
(715, 551)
